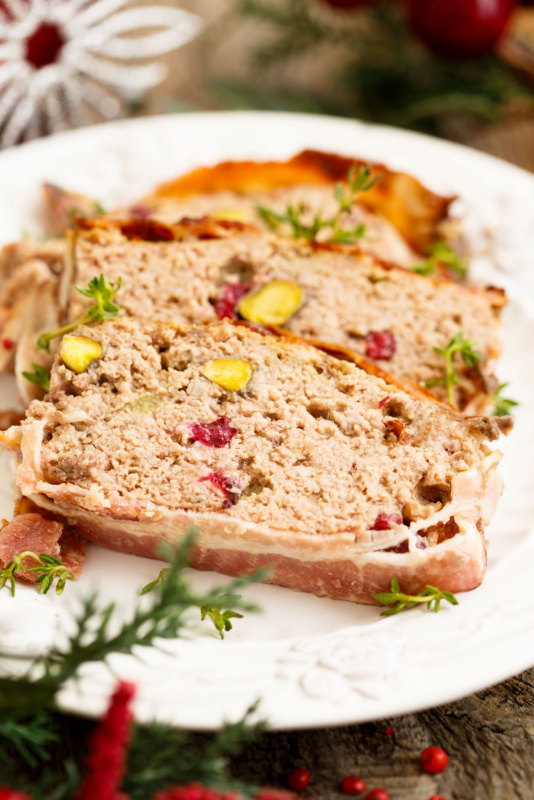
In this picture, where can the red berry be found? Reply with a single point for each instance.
(7, 344)
(384, 401)
(380, 344)
(298, 779)
(460, 28)
(352, 785)
(437, 797)
(434, 760)
(377, 794)
(390, 731)
(12, 794)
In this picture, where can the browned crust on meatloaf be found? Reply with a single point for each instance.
(414, 210)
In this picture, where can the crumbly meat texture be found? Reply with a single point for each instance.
(348, 296)
(308, 426)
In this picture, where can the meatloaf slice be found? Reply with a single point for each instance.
(196, 271)
(327, 474)
(401, 215)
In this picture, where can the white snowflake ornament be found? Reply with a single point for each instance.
(67, 63)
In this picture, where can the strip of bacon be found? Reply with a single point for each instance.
(32, 531)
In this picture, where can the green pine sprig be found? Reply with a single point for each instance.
(291, 221)
(102, 292)
(399, 601)
(502, 406)
(40, 376)
(219, 610)
(470, 356)
(160, 755)
(48, 568)
(441, 253)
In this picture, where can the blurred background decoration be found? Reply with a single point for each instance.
(66, 63)
(463, 69)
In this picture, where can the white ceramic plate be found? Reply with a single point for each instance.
(311, 662)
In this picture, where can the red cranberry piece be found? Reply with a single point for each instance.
(352, 785)
(380, 344)
(231, 295)
(298, 779)
(141, 212)
(218, 433)
(460, 28)
(390, 731)
(224, 484)
(437, 797)
(384, 522)
(377, 794)
(384, 401)
(7, 344)
(434, 760)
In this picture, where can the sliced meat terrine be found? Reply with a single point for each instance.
(402, 217)
(201, 270)
(280, 454)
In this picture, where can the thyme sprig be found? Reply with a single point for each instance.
(502, 406)
(470, 357)
(399, 601)
(102, 292)
(219, 610)
(292, 220)
(47, 570)
(221, 619)
(441, 253)
(40, 376)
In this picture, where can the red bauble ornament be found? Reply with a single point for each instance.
(460, 28)
(347, 4)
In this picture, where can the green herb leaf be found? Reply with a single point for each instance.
(221, 619)
(441, 253)
(291, 223)
(431, 597)
(102, 292)
(470, 357)
(47, 570)
(40, 376)
(502, 405)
